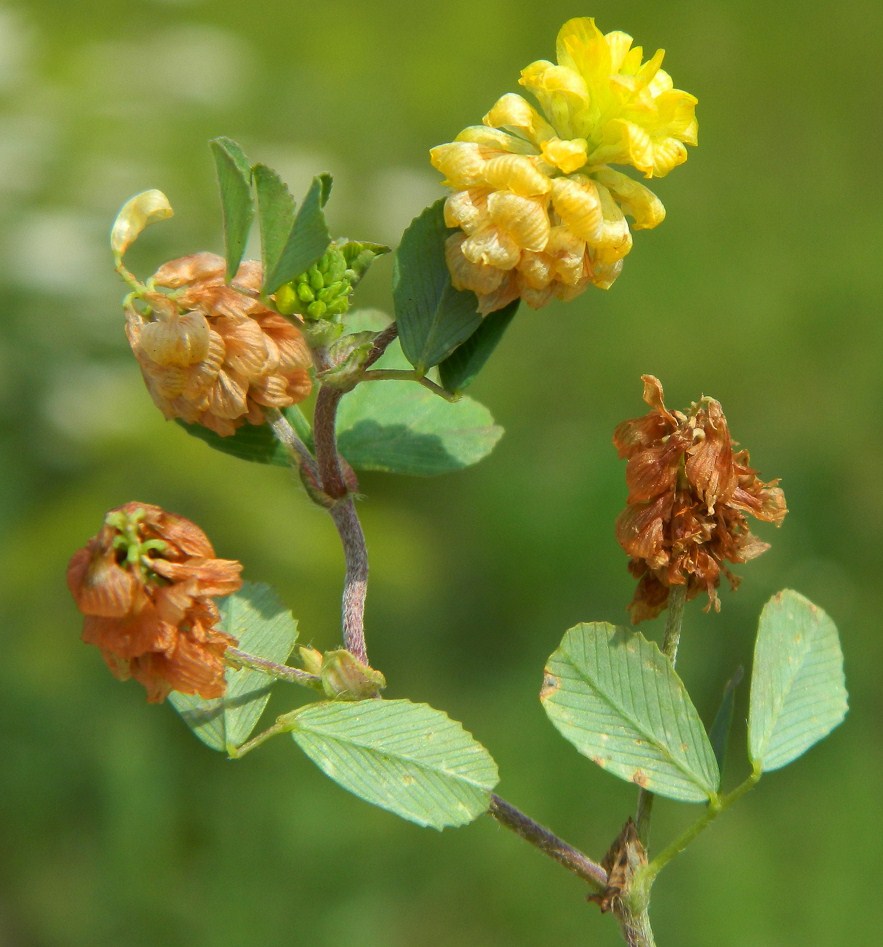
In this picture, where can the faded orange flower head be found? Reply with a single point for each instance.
(689, 492)
(212, 353)
(145, 584)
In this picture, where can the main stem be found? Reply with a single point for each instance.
(333, 482)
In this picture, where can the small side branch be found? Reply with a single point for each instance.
(287, 437)
(281, 672)
(547, 842)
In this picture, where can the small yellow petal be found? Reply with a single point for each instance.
(577, 203)
(567, 156)
(604, 274)
(516, 173)
(494, 139)
(467, 209)
(135, 215)
(616, 238)
(460, 162)
(514, 111)
(492, 247)
(465, 274)
(637, 201)
(526, 221)
(582, 47)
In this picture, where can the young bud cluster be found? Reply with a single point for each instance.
(689, 492)
(322, 292)
(145, 585)
(212, 353)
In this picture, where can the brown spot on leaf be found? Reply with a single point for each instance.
(640, 778)
(550, 685)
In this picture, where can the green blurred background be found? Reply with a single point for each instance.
(762, 288)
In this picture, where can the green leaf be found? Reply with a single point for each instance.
(237, 202)
(309, 237)
(460, 368)
(249, 442)
(400, 427)
(798, 692)
(719, 733)
(263, 627)
(407, 758)
(618, 700)
(433, 317)
(276, 210)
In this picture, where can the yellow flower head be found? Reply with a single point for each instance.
(541, 214)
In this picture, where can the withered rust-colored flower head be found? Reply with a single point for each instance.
(689, 492)
(211, 353)
(145, 583)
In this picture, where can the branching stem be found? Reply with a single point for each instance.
(714, 809)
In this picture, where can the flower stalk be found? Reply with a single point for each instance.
(676, 600)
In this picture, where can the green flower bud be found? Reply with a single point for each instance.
(304, 293)
(322, 291)
(286, 299)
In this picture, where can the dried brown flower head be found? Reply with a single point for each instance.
(212, 354)
(145, 584)
(689, 492)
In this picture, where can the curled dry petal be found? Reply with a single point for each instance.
(688, 495)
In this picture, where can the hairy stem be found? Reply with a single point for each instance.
(636, 928)
(548, 843)
(281, 672)
(324, 420)
(355, 585)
